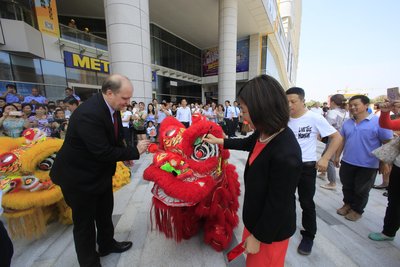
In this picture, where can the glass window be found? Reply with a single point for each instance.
(156, 51)
(164, 54)
(26, 69)
(81, 76)
(179, 59)
(5, 67)
(170, 51)
(172, 57)
(53, 72)
(272, 67)
(25, 89)
(101, 77)
(54, 75)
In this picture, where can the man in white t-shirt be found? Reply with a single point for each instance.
(184, 114)
(306, 126)
(6, 246)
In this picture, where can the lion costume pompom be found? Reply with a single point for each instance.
(30, 199)
(193, 184)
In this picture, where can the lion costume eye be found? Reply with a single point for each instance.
(47, 163)
(7, 159)
(203, 151)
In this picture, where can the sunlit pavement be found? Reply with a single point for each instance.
(339, 242)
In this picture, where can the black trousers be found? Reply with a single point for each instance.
(392, 216)
(127, 135)
(186, 124)
(6, 247)
(91, 212)
(235, 124)
(357, 182)
(229, 127)
(306, 191)
(133, 136)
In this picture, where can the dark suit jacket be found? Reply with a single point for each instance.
(87, 160)
(269, 208)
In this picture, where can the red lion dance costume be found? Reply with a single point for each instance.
(193, 183)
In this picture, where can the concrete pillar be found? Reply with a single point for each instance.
(228, 10)
(128, 34)
(255, 55)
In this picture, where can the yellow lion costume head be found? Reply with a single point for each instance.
(30, 199)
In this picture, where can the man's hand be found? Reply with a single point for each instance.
(322, 164)
(142, 146)
(384, 168)
(129, 163)
(337, 161)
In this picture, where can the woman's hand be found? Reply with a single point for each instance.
(5, 115)
(251, 245)
(388, 106)
(209, 138)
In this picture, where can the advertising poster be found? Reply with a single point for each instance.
(242, 56)
(47, 17)
(210, 59)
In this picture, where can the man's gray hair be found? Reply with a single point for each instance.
(113, 82)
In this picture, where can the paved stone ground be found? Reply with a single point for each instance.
(338, 242)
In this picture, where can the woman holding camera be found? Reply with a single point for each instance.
(40, 119)
(12, 123)
(391, 223)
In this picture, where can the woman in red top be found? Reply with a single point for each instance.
(392, 216)
(271, 174)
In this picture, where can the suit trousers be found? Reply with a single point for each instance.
(229, 127)
(235, 124)
(6, 247)
(392, 216)
(91, 211)
(357, 182)
(306, 191)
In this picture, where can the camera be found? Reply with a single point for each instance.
(15, 113)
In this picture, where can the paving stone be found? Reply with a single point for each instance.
(338, 242)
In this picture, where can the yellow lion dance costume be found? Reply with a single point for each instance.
(30, 199)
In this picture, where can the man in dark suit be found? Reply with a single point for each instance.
(86, 163)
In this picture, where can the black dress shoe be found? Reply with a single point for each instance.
(117, 247)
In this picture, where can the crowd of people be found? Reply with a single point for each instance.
(18, 113)
(282, 158)
(139, 121)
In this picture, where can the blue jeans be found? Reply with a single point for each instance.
(331, 170)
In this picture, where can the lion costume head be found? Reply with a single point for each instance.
(30, 199)
(193, 183)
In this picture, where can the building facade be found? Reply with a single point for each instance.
(200, 50)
